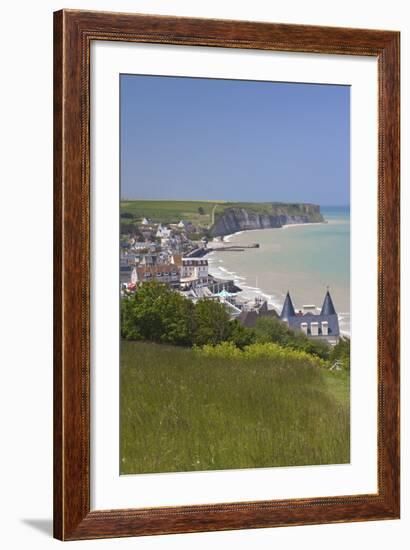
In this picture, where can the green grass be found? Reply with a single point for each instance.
(171, 211)
(181, 411)
(338, 385)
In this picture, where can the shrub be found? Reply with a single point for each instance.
(270, 329)
(275, 351)
(341, 352)
(269, 351)
(224, 350)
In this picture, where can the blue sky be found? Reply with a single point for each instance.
(210, 139)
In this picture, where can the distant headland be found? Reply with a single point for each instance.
(245, 216)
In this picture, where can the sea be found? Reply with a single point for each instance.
(304, 259)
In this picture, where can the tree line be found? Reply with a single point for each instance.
(158, 314)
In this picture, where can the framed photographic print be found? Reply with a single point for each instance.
(226, 336)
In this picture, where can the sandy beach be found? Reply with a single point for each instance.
(305, 261)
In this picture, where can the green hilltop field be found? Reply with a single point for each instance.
(203, 213)
(183, 411)
(197, 212)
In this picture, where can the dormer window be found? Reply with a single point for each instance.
(314, 328)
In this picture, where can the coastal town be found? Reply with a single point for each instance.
(234, 241)
(176, 254)
(168, 254)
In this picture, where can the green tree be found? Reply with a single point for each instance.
(201, 210)
(239, 335)
(271, 329)
(212, 324)
(177, 315)
(158, 314)
(315, 347)
(127, 228)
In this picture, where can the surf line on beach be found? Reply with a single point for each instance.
(249, 291)
(260, 284)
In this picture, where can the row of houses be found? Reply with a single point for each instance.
(180, 271)
(153, 251)
(182, 224)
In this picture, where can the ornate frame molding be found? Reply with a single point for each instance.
(73, 33)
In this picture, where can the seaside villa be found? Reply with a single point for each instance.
(324, 326)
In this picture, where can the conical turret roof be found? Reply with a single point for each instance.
(328, 308)
(263, 308)
(288, 309)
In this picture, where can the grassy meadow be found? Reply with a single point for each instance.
(184, 411)
(172, 211)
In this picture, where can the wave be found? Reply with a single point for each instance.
(288, 225)
(229, 237)
(271, 275)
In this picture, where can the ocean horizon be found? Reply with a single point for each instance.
(304, 259)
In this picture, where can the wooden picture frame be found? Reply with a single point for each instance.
(74, 32)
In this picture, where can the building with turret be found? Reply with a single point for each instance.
(322, 326)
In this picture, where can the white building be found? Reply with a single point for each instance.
(144, 246)
(163, 232)
(194, 269)
(191, 269)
